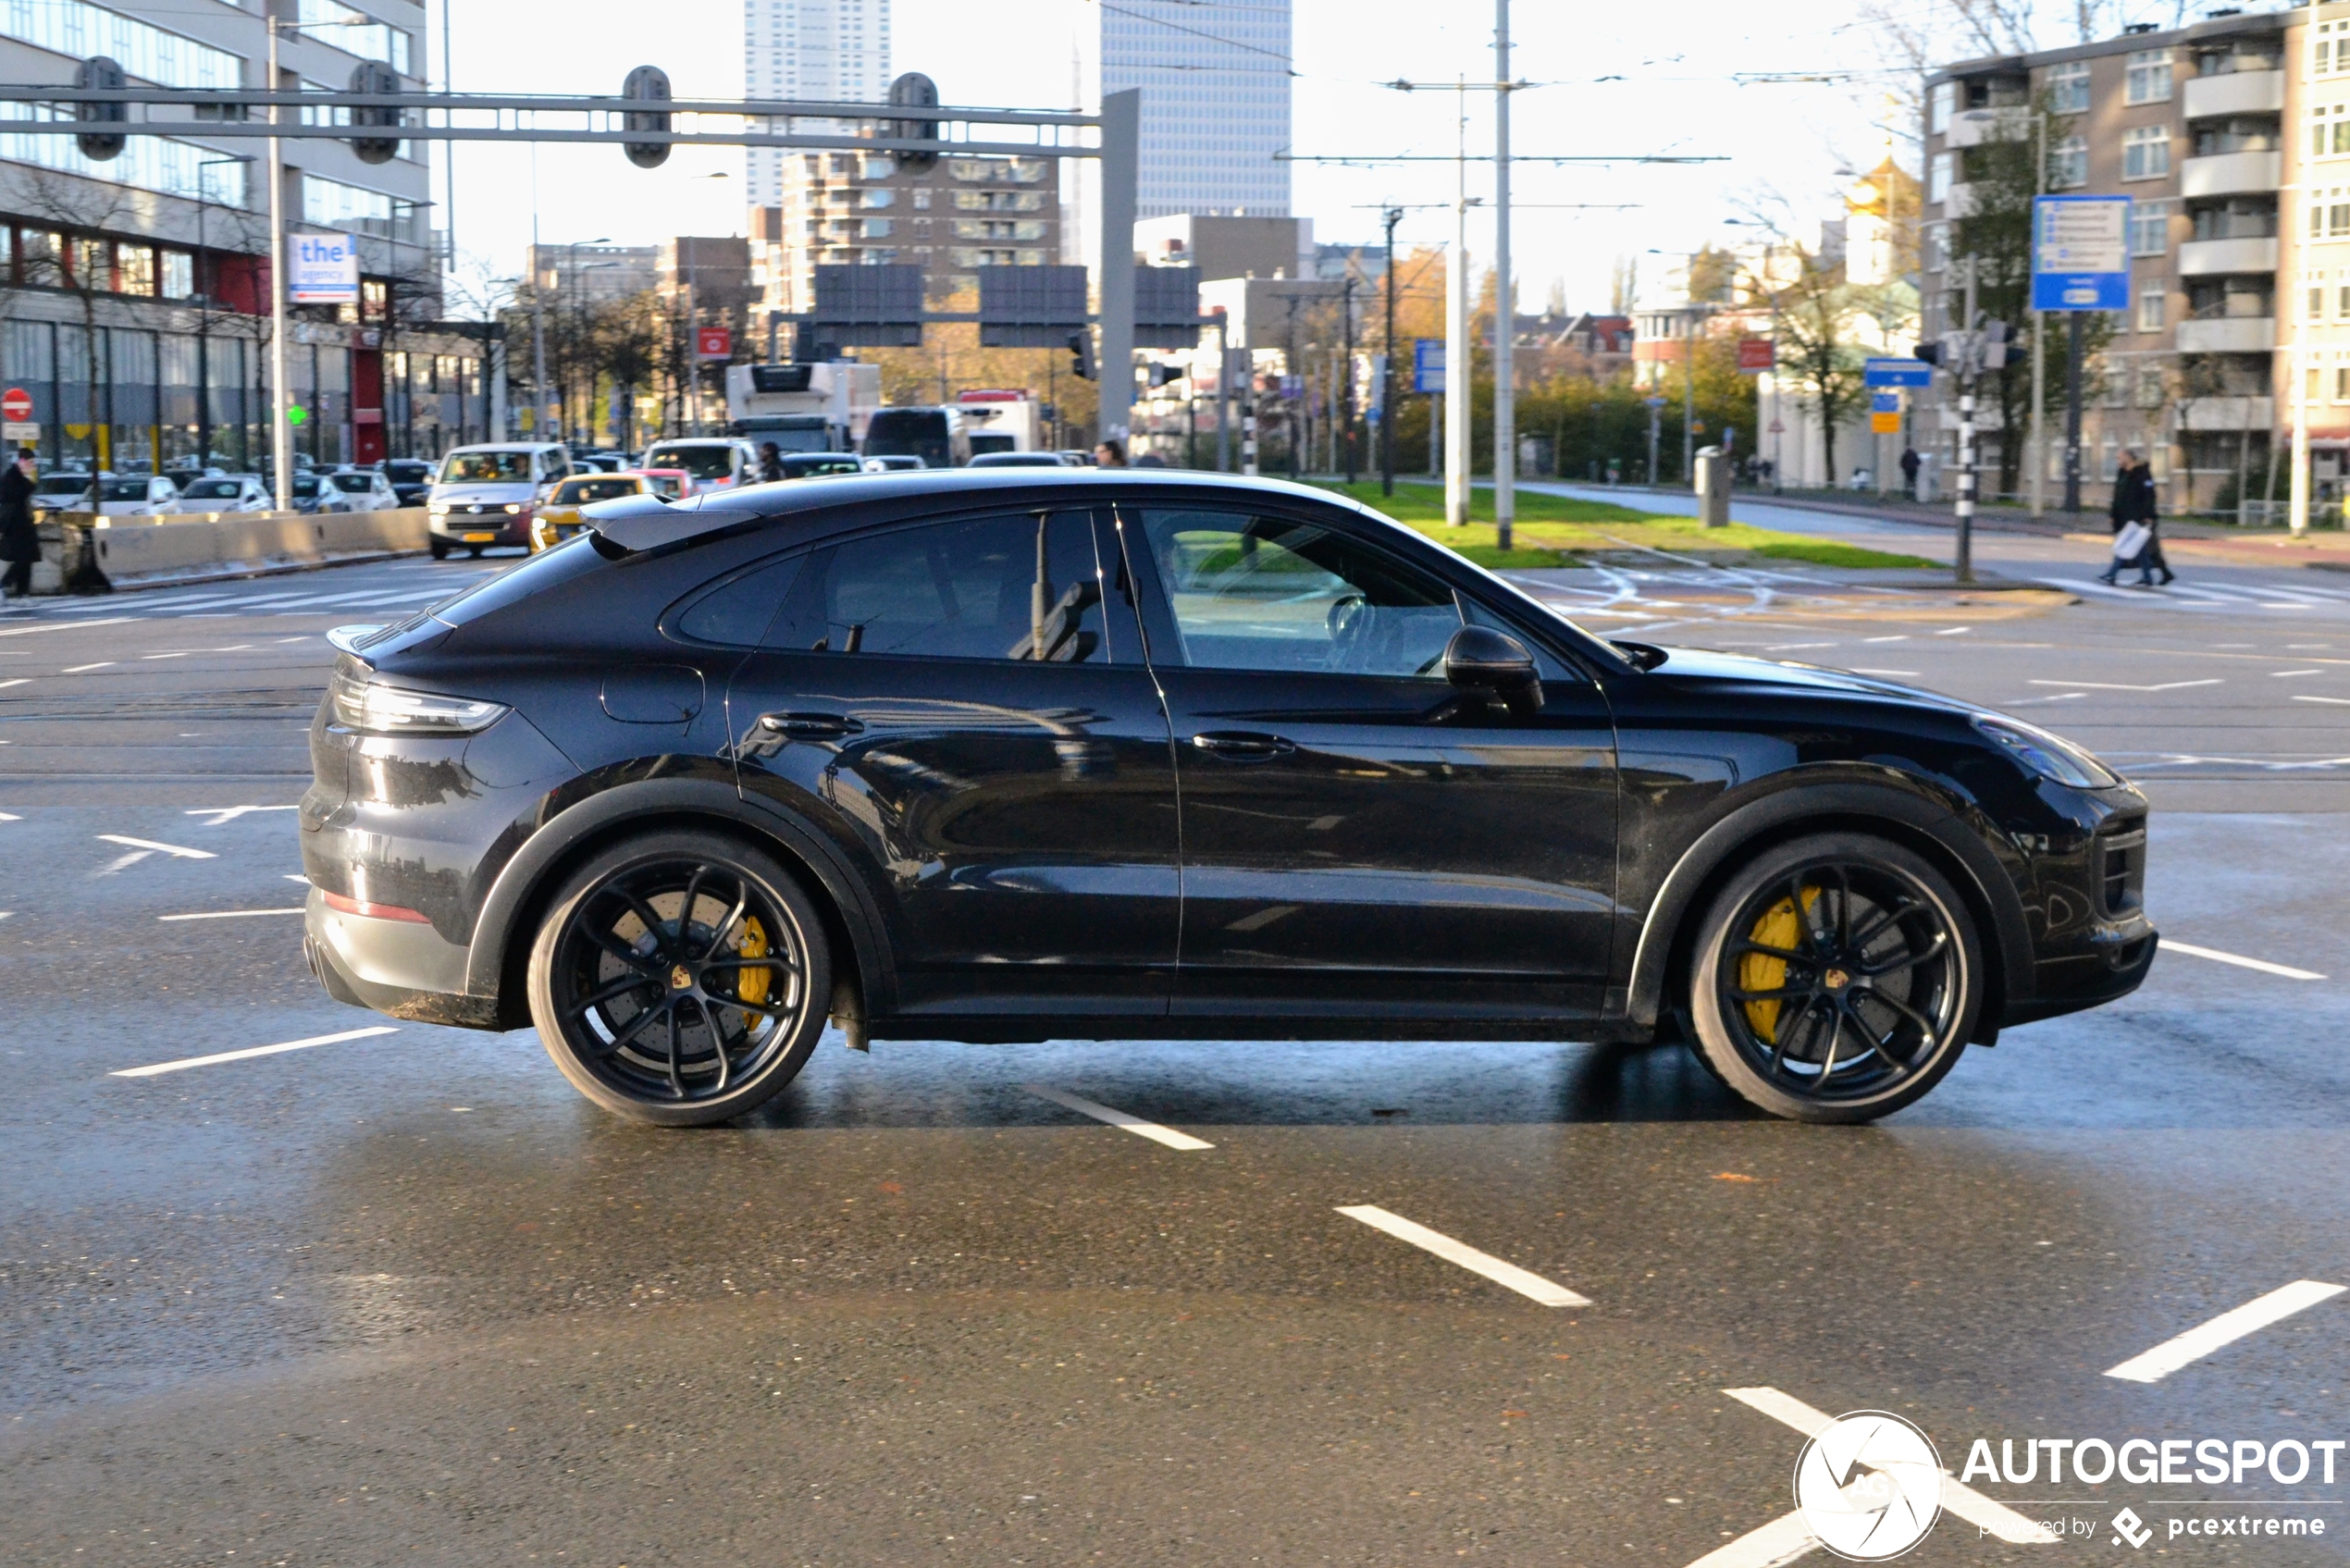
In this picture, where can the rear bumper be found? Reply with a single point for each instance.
(397, 968)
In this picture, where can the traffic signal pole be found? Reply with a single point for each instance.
(280, 433)
(1121, 122)
(1969, 371)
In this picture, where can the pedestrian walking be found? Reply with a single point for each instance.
(771, 462)
(1110, 453)
(1910, 464)
(2137, 541)
(19, 541)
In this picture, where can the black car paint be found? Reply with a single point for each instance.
(1024, 880)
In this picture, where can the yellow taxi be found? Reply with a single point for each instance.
(559, 518)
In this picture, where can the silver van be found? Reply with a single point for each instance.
(486, 495)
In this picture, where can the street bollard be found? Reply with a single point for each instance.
(1714, 486)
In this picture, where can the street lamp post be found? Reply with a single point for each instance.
(1505, 294)
(203, 317)
(280, 433)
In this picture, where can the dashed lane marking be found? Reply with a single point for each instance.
(2112, 685)
(229, 914)
(79, 669)
(1781, 1541)
(1524, 1281)
(1132, 1124)
(151, 844)
(1964, 1500)
(1859, 670)
(20, 680)
(61, 626)
(2311, 697)
(2224, 1330)
(250, 1052)
(220, 814)
(2287, 971)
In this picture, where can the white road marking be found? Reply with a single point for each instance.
(78, 669)
(228, 914)
(1525, 1282)
(1954, 631)
(1781, 1541)
(153, 656)
(20, 680)
(220, 814)
(120, 861)
(2280, 674)
(2311, 697)
(2240, 962)
(2028, 701)
(9, 817)
(1790, 647)
(1859, 670)
(2224, 1330)
(250, 1052)
(1962, 1500)
(292, 877)
(2112, 685)
(1902, 638)
(63, 626)
(151, 844)
(1132, 1124)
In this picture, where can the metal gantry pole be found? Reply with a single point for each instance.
(280, 433)
(1505, 294)
(1387, 381)
(1456, 349)
(2039, 443)
(1121, 132)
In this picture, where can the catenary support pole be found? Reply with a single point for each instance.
(1121, 135)
(1456, 346)
(2072, 413)
(1394, 216)
(281, 432)
(1505, 294)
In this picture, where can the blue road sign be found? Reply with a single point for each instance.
(1897, 373)
(1428, 365)
(1884, 402)
(2079, 252)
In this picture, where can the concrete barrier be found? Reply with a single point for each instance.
(127, 551)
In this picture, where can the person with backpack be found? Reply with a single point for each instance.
(2134, 524)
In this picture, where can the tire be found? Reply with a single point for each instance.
(439, 548)
(1883, 969)
(645, 1050)
(473, 552)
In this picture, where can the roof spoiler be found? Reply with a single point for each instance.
(641, 522)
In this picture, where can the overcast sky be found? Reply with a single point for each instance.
(1616, 79)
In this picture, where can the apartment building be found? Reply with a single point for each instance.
(861, 209)
(135, 290)
(592, 274)
(2190, 123)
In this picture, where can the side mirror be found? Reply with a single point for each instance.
(1496, 665)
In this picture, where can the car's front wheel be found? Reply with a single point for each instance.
(439, 548)
(680, 979)
(1835, 979)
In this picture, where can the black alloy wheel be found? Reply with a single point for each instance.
(439, 546)
(680, 979)
(1837, 979)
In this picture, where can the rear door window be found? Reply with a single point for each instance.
(1006, 586)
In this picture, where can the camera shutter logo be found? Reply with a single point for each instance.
(1868, 1484)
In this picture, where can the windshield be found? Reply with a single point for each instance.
(357, 484)
(305, 484)
(712, 462)
(62, 484)
(124, 489)
(665, 486)
(577, 492)
(799, 467)
(213, 489)
(480, 465)
(407, 469)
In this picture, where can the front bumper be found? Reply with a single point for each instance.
(496, 528)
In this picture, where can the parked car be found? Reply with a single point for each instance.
(816, 464)
(1018, 460)
(227, 492)
(410, 476)
(559, 518)
(484, 495)
(937, 435)
(669, 484)
(138, 495)
(1101, 755)
(1076, 459)
(65, 490)
(891, 463)
(716, 462)
(365, 489)
(311, 494)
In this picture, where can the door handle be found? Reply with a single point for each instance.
(1243, 746)
(808, 726)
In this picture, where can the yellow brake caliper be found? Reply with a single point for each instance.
(1759, 971)
(750, 983)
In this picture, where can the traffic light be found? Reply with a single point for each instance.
(1995, 345)
(375, 79)
(1161, 374)
(1080, 354)
(647, 84)
(914, 91)
(100, 74)
(1930, 352)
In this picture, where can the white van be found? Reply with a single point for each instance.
(717, 463)
(487, 495)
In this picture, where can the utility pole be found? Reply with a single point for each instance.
(280, 433)
(1970, 360)
(1346, 382)
(1689, 402)
(1456, 346)
(2039, 445)
(1392, 216)
(2297, 504)
(1223, 392)
(1506, 295)
(2072, 414)
(539, 314)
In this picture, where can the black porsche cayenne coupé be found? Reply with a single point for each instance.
(1003, 756)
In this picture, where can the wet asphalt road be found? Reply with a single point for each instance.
(405, 1298)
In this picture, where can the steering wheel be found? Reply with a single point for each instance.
(1350, 624)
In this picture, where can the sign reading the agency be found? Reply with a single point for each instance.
(2079, 252)
(326, 269)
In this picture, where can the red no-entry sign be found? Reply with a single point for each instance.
(15, 405)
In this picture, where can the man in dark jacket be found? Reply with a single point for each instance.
(19, 541)
(771, 462)
(2134, 499)
(1910, 464)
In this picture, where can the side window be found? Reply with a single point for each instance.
(740, 612)
(1013, 585)
(1267, 593)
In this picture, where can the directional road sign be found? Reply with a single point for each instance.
(1879, 373)
(2079, 252)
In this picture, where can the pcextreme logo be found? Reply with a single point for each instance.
(1868, 1484)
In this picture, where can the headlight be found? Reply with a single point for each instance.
(2049, 756)
(513, 506)
(361, 704)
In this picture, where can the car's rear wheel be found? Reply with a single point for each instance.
(680, 979)
(439, 548)
(1835, 979)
